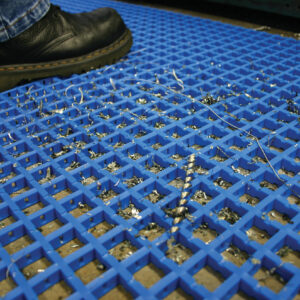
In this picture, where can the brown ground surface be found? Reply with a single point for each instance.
(149, 275)
(59, 290)
(209, 278)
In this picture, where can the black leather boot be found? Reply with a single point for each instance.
(61, 44)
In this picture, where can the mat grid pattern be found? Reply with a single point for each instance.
(102, 157)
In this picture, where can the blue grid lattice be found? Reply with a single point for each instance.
(100, 160)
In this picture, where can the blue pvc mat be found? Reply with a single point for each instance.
(174, 173)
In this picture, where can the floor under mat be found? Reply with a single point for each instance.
(172, 174)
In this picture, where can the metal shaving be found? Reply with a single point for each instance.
(228, 215)
(94, 155)
(112, 167)
(131, 182)
(130, 212)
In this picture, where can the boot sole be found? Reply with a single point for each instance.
(12, 75)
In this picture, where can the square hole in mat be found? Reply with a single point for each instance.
(71, 162)
(101, 228)
(214, 133)
(196, 142)
(129, 211)
(111, 164)
(70, 247)
(128, 207)
(50, 227)
(229, 211)
(142, 114)
(287, 168)
(269, 181)
(60, 189)
(234, 249)
(293, 195)
(86, 121)
(224, 180)
(123, 250)
(126, 106)
(59, 290)
(90, 271)
(57, 150)
(107, 190)
(291, 135)
(237, 143)
(155, 164)
(116, 141)
(31, 161)
(31, 204)
(36, 267)
(159, 107)
(152, 231)
(7, 172)
(295, 155)
(52, 121)
(192, 107)
(244, 292)
(210, 276)
(176, 152)
(206, 230)
(65, 130)
(106, 113)
(149, 274)
(280, 213)
(177, 251)
(100, 131)
(277, 144)
(135, 151)
(250, 195)
(148, 270)
(176, 132)
(259, 231)
(154, 191)
(176, 114)
(17, 187)
(18, 243)
(132, 177)
(95, 151)
(195, 124)
(150, 227)
(138, 131)
(202, 194)
(155, 141)
(288, 254)
(8, 140)
(6, 285)
(7, 217)
(179, 213)
(235, 255)
(45, 174)
(80, 141)
(178, 294)
(258, 157)
(270, 279)
(79, 206)
(87, 176)
(218, 154)
(175, 178)
(121, 122)
(118, 292)
(19, 150)
(243, 167)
